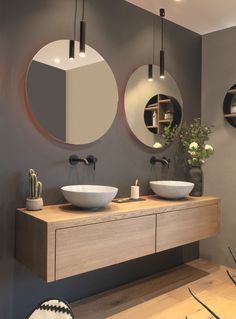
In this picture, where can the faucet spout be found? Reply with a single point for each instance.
(89, 160)
(74, 159)
(164, 161)
(84, 160)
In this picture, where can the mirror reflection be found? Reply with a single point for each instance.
(153, 108)
(73, 100)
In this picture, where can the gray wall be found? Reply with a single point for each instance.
(122, 33)
(46, 89)
(218, 75)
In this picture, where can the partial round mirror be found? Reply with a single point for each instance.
(153, 108)
(73, 100)
(229, 106)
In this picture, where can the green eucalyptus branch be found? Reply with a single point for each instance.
(169, 134)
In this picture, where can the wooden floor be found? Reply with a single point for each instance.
(166, 296)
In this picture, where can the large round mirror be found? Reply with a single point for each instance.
(73, 100)
(153, 108)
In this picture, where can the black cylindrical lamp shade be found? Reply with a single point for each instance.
(162, 64)
(72, 50)
(150, 72)
(82, 38)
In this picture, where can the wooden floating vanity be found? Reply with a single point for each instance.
(62, 241)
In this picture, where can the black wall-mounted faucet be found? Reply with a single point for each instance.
(89, 160)
(163, 161)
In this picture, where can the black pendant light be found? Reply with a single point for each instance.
(150, 66)
(150, 72)
(162, 51)
(82, 34)
(72, 42)
(72, 50)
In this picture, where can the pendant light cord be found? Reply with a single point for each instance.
(162, 15)
(75, 19)
(162, 33)
(83, 10)
(153, 43)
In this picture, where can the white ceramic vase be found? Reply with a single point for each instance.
(34, 204)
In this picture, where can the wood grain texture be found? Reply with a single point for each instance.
(230, 115)
(85, 248)
(31, 244)
(185, 226)
(51, 254)
(166, 296)
(62, 216)
(51, 259)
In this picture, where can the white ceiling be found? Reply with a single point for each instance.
(57, 54)
(201, 16)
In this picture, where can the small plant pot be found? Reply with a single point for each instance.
(34, 204)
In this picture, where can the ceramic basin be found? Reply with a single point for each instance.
(171, 189)
(89, 196)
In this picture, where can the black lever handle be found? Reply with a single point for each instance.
(163, 160)
(92, 160)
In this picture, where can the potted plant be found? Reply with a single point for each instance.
(34, 201)
(193, 137)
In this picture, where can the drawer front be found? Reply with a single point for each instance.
(185, 226)
(84, 248)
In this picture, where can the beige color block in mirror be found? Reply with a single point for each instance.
(152, 107)
(75, 101)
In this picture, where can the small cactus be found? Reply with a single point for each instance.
(35, 187)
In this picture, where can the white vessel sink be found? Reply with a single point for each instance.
(171, 189)
(89, 196)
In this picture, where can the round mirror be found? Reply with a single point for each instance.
(153, 108)
(73, 100)
(229, 106)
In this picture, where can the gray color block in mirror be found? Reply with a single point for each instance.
(152, 106)
(81, 107)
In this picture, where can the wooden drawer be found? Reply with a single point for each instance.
(185, 226)
(84, 248)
